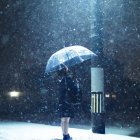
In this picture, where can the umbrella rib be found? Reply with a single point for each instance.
(75, 52)
(67, 54)
(78, 55)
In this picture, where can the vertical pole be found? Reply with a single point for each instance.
(97, 72)
(97, 100)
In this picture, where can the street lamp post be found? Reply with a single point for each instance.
(97, 72)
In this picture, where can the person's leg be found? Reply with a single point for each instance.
(65, 125)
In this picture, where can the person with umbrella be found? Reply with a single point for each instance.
(60, 61)
(67, 88)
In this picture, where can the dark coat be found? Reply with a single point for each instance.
(65, 100)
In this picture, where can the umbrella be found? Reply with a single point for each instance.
(69, 56)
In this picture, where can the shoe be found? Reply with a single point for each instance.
(67, 137)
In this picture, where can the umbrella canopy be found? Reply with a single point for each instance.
(69, 56)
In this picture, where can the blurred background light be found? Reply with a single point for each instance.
(107, 95)
(14, 94)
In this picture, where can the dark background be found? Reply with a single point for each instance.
(31, 31)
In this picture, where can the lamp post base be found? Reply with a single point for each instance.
(98, 123)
